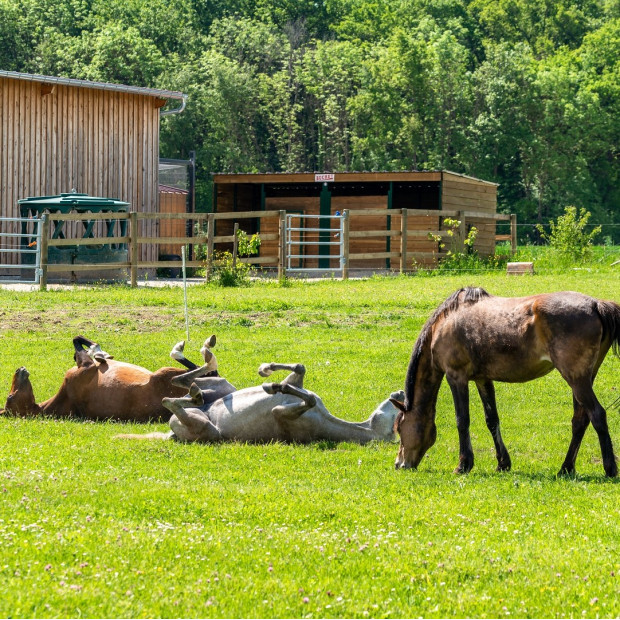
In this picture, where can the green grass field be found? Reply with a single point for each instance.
(93, 526)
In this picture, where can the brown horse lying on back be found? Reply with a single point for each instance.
(474, 336)
(101, 388)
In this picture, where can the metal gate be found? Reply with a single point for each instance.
(307, 233)
(20, 237)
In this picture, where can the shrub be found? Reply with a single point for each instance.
(457, 259)
(230, 272)
(567, 236)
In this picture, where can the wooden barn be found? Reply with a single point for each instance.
(379, 194)
(61, 134)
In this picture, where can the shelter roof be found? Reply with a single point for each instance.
(342, 177)
(171, 189)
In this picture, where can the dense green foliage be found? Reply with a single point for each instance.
(522, 92)
(97, 527)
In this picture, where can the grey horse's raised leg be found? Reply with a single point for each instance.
(296, 377)
(186, 379)
(294, 410)
(191, 425)
(486, 389)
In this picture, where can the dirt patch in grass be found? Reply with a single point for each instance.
(148, 319)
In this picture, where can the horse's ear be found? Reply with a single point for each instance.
(398, 404)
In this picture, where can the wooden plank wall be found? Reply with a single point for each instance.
(172, 202)
(465, 194)
(364, 222)
(420, 249)
(54, 139)
(308, 205)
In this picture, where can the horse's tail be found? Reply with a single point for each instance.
(164, 436)
(609, 313)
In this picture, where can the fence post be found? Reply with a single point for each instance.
(345, 244)
(235, 244)
(282, 246)
(461, 235)
(403, 239)
(45, 233)
(133, 248)
(513, 233)
(210, 236)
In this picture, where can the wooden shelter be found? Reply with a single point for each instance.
(381, 194)
(61, 134)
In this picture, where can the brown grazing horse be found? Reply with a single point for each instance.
(474, 336)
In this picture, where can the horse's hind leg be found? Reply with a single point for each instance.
(296, 377)
(585, 397)
(80, 355)
(580, 424)
(486, 389)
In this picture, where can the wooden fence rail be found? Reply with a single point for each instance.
(205, 236)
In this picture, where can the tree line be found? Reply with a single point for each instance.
(524, 93)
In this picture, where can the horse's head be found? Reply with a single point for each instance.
(382, 421)
(417, 434)
(20, 400)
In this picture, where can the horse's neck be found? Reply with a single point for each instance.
(423, 384)
(57, 405)
(336, 429)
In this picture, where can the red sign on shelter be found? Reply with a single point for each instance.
(324, 178)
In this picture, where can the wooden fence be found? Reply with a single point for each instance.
(205, 222)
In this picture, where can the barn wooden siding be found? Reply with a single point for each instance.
(172, 200)
(466, 194)
(434, 190)
(54, 138)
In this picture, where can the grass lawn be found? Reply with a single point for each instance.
(95, 526)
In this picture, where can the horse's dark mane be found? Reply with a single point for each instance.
(469, 295)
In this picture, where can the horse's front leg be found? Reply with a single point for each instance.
(190, 423)
(460, 394)
(486, 389)
(293, 410)
(296, 377)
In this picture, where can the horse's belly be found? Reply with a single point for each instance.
(251, 428)
(508, 371)
(115, 402)
(238, 418)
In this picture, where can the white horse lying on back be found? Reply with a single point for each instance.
(270, 412)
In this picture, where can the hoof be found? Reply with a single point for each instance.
(196, 395)
(177, 351)
(566, 472)
(463, 468)
(205, 351)
(504, 465)
(264, 370)
(272, 388)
